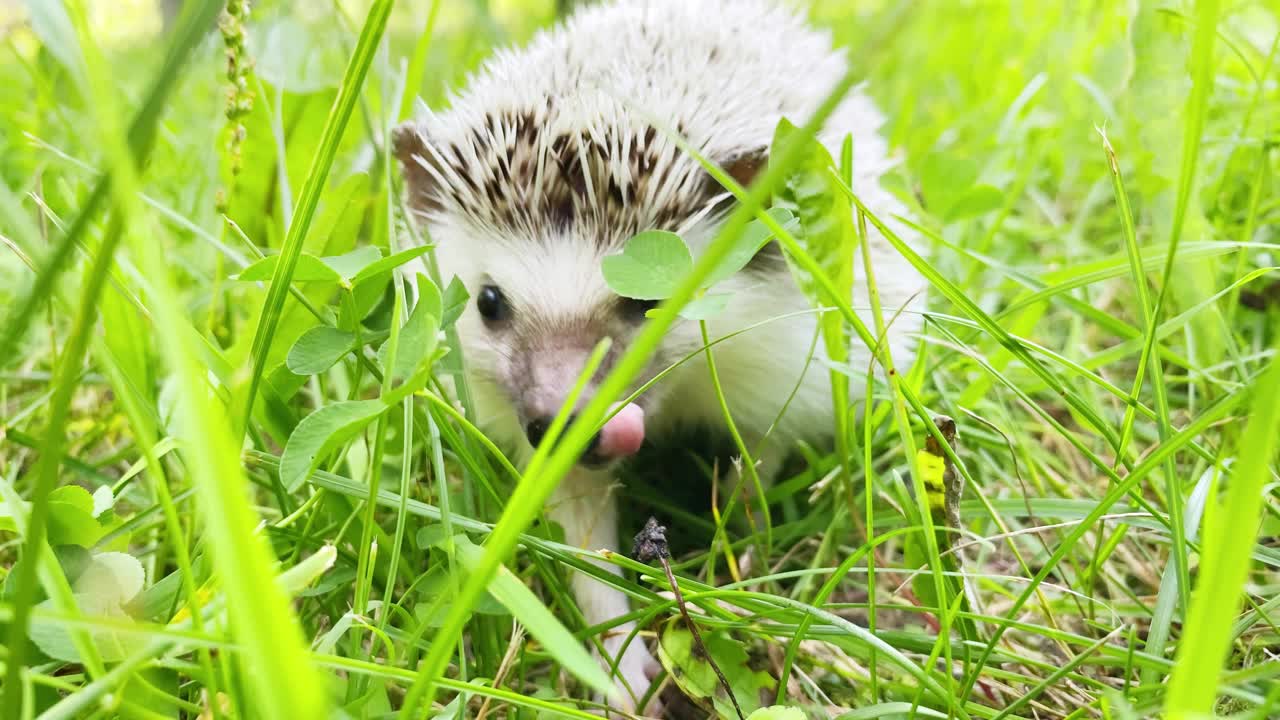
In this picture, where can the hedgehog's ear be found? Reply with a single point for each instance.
(410, 148)
(745, 167)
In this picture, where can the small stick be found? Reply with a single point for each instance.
(651, 543)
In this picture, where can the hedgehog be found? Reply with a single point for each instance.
(557, 153)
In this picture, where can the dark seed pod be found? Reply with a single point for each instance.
(651, 542)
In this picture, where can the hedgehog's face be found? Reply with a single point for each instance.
(525, 224)
(538, 311)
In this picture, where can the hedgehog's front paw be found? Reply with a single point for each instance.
(636, 671)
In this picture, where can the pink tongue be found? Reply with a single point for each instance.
(623, 434)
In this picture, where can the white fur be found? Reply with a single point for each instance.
(724, 71)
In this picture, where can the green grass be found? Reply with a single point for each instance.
(1103, 326)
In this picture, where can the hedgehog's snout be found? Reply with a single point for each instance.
(621, 436)
(542, 376)
(536, 430)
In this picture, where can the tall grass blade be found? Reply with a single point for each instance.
(140, 138)
(537, 619)
(1174, 594)
(1193, 118)
(195, 24)
(1230, 533)
(313, 186)
(262, 622)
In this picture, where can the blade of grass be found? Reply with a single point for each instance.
(313, 186)
(197, 21)
(1175, 594)
(1057, 674)
(144, 429)
(883, 352)
(989, 325)
(507, 696)
(261, 619)
(536, 618)
(1194, 117)
(899, 391)
(418, 63)
(140, 138)
(863, 637)
(550, 440)
(1230, 532)
(747, 462)
(1210, 415)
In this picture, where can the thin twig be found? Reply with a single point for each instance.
(651, 543)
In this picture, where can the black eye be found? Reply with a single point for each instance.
(491, 304)
(634, 309)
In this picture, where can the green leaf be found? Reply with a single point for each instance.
(318, 349)
(455, 301)
(649, 267)
(977, 200)
(71, 520)
(824, 213)
(73, 495)
(107, 584)
(7, 521)
(944, 178)
(113, 576)
(947, 183)
(368, 294)
(336, 227)
(364, 262)
(537, 619)
(416, 346)
(898, 184)
(429, 297)
(319, 433)
(705, 307)
(73, 560)
(309, 269)
(696, 677)
(450, 711)
(431, 536)
(300, 576)
(350, 265)
(1230, 528)
(158, 602)
(752, 240)
(436, 583)
(389, 263)
(103, 500)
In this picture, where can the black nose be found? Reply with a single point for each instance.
(537, 429)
